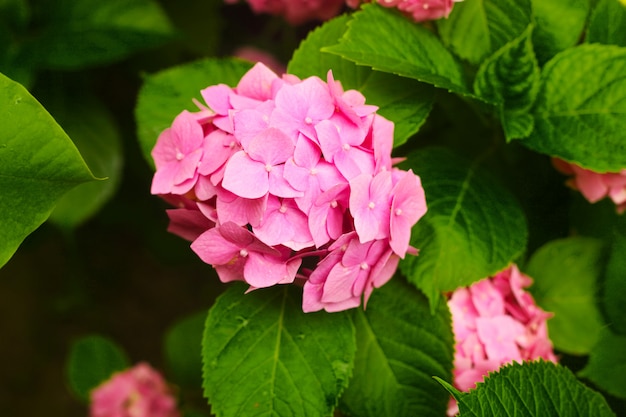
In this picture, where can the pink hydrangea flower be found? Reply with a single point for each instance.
(278, 173)
(297, 12)
(595, 186)
(418, 10)
(495, 321)
(136, 392)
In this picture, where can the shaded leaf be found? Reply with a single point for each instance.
(95, 134)
(386, 41)
(82, 33)
(38, 164)
(476, 29)
(614, 285)
(532, 389)
(183, 351)
(559, 25)
(566, 272)
(580, 113)
(92, 360)
(607, 364)
(510, 77)
(404, 101)
(608, 23)
(400, 347)
(167, 93)
(264, 357)
(473, 227)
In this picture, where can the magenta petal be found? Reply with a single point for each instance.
(257, 83)
(272, 147)
(217, 98)
(338, 286)
(213, 248)
(279, 186)
(188, 224)
(245, 177)
(264, 271)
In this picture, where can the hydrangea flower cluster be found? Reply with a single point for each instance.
(281, 179)
(418, 10)
(495, 322)
(296, 12)
(136, 392)
(595, 186)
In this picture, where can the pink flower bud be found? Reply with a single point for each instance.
(136, 392)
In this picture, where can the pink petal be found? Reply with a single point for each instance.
(245, 177)
(257, 83)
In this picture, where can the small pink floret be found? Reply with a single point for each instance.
(595, 186)
(136, 392)
(496, 322)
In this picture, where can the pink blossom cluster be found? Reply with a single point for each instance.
(139, 391)
(296, 12)
(495, 322)
(281, 179)
(418, 10)
(595, 186)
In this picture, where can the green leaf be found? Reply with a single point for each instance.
(580, 113)
(384, 40)
(607, 364)
(476, 29)
(167, 93)
(614, 285)
(559, 25)
(38, 164)
(95, 134)
(532, 389)
(264, 357)
(510, 77)
(82, 33)
(404, 101)
(566, 272)
(608, 23)
(183, 350)
(92, 360)
(400, 347)
(473, 227)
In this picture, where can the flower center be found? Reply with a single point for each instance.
(243, 253)
(364, 266)
(371, 205)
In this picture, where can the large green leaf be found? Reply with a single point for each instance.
(566, 273)
(404, 101)
(264, 357)
(614, 285)
(532, 389)
(38, 164)
(510, 77)
(476, 29)
(92, 360)
(580, 113)
(608, 23)
(400, 347)
(95, 134)
(607, 364)
(559, 25)
(89, 32)
(384, 40)
(167, 93)
(473, 227)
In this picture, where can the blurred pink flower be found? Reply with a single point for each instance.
(136, 392)
(418, 10)
(254, 55)
(280, 172)
(495, 321)
(297, 12)
(595, 186)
